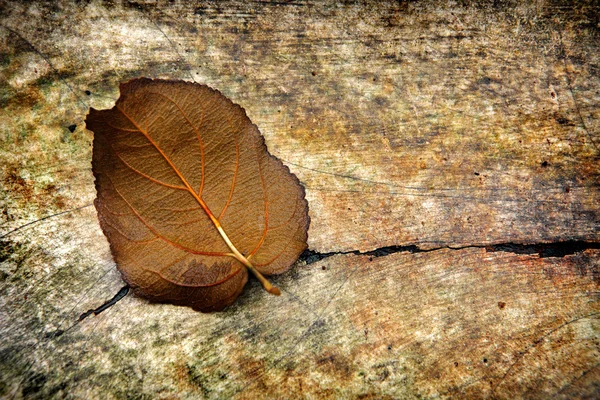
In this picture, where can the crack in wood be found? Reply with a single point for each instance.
(120, 294)
(544, 250)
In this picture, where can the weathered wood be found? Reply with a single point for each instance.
(454, 132)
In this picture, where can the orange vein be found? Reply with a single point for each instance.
(195, 130)
(158, 235)
(173, 167)
(142, 174)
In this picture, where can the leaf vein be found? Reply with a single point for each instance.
(177, 245)
(143, 174)
(195, 128)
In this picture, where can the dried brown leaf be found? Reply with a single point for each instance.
(189, 197)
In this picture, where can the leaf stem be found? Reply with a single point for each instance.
(240, 257)
(265, 282)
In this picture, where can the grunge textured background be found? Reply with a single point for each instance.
(450, 156)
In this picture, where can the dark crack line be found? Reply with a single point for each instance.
(59, 332)
(543, 250)
(116, 298)
(42, 219)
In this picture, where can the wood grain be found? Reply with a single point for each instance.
(450, 159)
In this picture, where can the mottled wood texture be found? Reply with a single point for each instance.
(451, 160)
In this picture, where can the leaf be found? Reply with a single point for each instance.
(189, 197)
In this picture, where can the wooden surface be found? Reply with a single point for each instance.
(450, 156)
